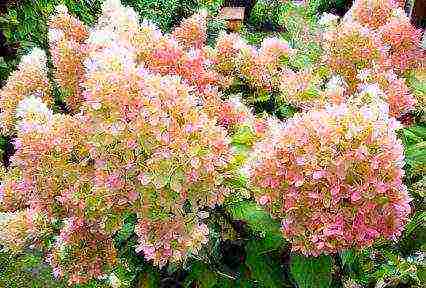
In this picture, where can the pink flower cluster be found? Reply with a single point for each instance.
(173, 240)
(13, 230)
(158, 152)
(302, 89)
(393, 26)
(372, 13)
(91, 250)
(183, 53)
(333, 178)
(66, 41)
(393, 89)
(29, 79)
(376, 35)
(258, 68)
(352, 47)
(192, 33)
(232, 113)
(404, 42)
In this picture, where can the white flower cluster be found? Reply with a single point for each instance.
(37, 58)
(33, 114)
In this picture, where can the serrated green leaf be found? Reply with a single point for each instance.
(126, 232)
(311, 272)
(348, 257)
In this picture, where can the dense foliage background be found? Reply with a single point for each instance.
(246, 247)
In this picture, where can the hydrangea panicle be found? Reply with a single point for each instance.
(352, 48)
(393, 89)
(66, 41)
(333, 178)
(192, 32)
(29, 79)
(404, 42)
(14, 230)
(372, 13)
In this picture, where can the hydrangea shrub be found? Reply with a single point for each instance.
(150, 131)
(138, 141)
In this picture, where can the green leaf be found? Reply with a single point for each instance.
(150, 278)
(311, 272)
(259, 221)
(264, 268)
(3, 143)
(415, 156)
(417, 220)
(126, 230)
(286, 111)
(202, 275)
(413, 135)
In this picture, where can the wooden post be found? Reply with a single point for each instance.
(416, 10)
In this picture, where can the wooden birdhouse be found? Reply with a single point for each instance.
(233, 16)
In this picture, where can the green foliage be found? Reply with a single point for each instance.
(312, 272)
(149, 278)
(286, 111)
(416, 80)
(211, 5)
(252, 36)
(264, 267)
(267, 14)
(414, 139)
(258, 264)
(301, 30)
(214, 27)
(242, 140)
(316, 7)
(259, 221)
(26, 271)
(204, 277)
(260, 13)
(132, 270)
(3, 143)
(417, 83)
(414, 236)
(383, 266)
(164, 13)
(397, 270)
(262, 263)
